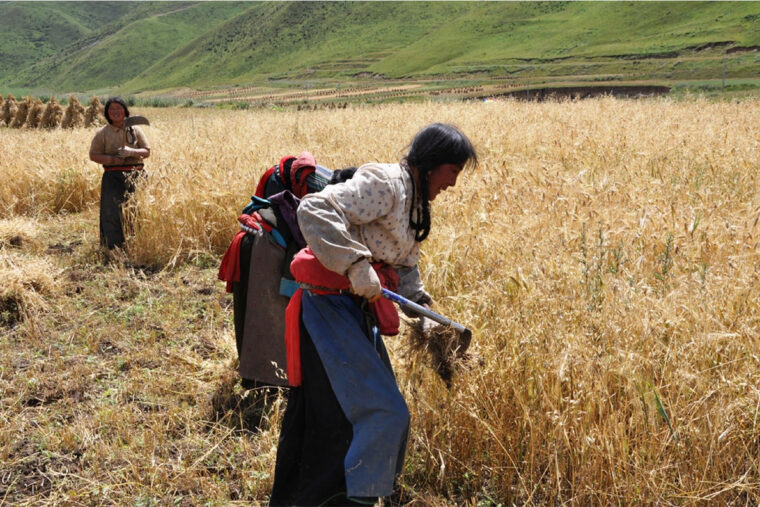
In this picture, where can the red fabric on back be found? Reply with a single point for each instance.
(263, 182)
(229, 270)
(260, 221)
(303, 166)
(299, 187)
(249, 221)
(285, 174)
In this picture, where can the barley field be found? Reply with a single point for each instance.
(604, 253)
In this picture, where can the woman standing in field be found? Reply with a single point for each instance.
(120, 150)
(344, 433)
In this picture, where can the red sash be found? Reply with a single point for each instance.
(134, 167)
(307, 269)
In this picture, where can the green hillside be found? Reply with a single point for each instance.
(151, 46)
(494, 34)
(35, 30)
(130, 37)
(303, 41)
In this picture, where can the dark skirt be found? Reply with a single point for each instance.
(314, 439)
(347, 417)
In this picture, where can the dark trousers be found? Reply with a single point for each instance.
(314, 439)
(115, 189)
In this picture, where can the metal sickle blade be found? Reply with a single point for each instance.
(136, 120)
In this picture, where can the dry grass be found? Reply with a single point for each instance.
(604, 255)
(47, 171)
(27, 284)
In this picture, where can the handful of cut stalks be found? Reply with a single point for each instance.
(445, 347)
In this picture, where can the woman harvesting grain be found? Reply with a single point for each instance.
(121, 150)
(344, 432)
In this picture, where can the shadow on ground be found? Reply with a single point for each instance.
(243, 407)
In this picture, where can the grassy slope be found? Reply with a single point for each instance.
(34, 30)
(214, 44)
(290, 38)
(513, 31)
(415, 39)
(126, 46)
(284, 40)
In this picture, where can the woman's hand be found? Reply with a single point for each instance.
(127, 152)
(364, 281)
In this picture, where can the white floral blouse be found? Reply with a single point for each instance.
(366, 216)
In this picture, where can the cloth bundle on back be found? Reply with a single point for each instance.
(256, 265)
(300, 176)
(256, 268)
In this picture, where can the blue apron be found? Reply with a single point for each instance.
(363, 382)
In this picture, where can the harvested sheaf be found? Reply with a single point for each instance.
(23, 109)
(34, 117)
(26, 283)
(16, 232)
(74, 115)
(9, 109)
(444, 346)
(53, 113)
(93, 115)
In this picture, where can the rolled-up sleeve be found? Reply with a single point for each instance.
(142, 140)
(410, 284)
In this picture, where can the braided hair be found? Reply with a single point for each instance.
(433, 146)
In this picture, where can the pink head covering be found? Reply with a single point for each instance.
(305, 159)
(299, 170)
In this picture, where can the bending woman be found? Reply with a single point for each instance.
(344, 432)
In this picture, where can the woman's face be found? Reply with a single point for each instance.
(441, 178)
(116, 113)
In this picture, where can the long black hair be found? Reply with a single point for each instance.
(434, 145)
(117, 100)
